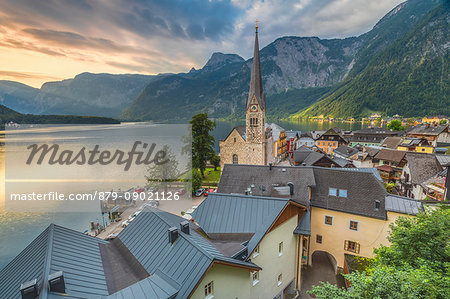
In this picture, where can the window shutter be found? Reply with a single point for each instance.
(346, 245)
(357, 248)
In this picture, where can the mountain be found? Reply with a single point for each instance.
(86, 94)
(8, 115)
(289, 64)
(410, 76)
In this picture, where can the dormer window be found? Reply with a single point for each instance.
(332, 192)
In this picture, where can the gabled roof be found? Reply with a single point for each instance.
(390, 155)
(341, 161)
(345, 151)
(57, 249)
(239, 214)
(377, 131)
(241, 131)
(185, 261)
(304, 155)
(392, 142)
(404, 205)
(422, 166)
(363, 190)
(427, 130)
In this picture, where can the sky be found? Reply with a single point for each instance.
(50, 40)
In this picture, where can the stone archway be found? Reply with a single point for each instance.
(320, 255)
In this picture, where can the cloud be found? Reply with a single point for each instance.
(152, 36)
(26, 75)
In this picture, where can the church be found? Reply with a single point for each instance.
(256, 143)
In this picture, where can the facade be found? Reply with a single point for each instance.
(278, 140)
(330, 140)
(305, 140)
(256, 147)
(420, 145)
(434, 119)
(371, 136)
(291, 141)
(435, 134)
(390, 164)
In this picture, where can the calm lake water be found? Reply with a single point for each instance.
(17, 230)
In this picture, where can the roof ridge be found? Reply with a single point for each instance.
(46, 272)
(252, 196)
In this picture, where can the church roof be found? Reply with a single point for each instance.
(256, 88)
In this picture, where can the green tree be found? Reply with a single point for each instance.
(215, 161)
(395, 125)
(196, 180)
(202, 141)
(443, 122)
(415, 265)
(160, 176)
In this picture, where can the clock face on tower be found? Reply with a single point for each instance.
(254, 108)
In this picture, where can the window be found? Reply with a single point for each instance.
(351, 246)
(255, 277)
(377, 205)
(280, 249)
(353, 225)
(209, 290)
(235, 159)
(319, 239)
(256, 252)
(280, 279)
(332, 192)
(234, 139)
(342, 193)
(329, 220)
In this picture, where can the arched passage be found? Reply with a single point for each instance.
(323, 259)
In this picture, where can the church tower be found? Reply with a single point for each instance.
(255, 113)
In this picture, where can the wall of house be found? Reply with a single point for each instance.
(234, 144)
(228, 282)
(371, 233)
(363, 164)
(444, 137)
(233, 282)
(274, 264)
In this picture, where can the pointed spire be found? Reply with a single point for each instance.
(256, 88)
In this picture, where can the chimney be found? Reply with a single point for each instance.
(29, 289)
(173, 234)
(291, 188)
(184, 227)
(56, 282)
(270, 166)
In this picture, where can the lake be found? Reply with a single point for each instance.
(18, 229)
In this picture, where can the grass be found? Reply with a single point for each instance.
(211, 176)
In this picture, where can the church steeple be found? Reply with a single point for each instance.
(256, 89)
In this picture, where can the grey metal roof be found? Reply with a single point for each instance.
(345, 151)
(443, 159)
(153, 287)
(371, 170)
(425, 129)
(238, 214)
(57, 249)
(184, 262)
(403, 205)
(341, 161)
(304, 226)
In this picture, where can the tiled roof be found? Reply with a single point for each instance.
(428, 130)
(57, 249)
(363, 187)
(304, 155)
(390, 155)
(239, 214)
(392, 142)
(341, 161)
(422, 166)
(403, 205)
(263, 181)
(363, 190)
(345, 151)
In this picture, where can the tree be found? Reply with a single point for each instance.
(196, 180)
(395, 125)
(159, 176)
(202, 141)
(215, 161)
(443, 122)
(415, 265)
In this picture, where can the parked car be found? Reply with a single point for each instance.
(110, 237)
(139, 190)
(208, 191)
(181, 192)
(199, 192)
(125, 223)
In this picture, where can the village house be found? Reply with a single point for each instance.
(345, 152)
(278, 140)
(364, 157)
(349, 210)
(330, 140)
(304, 156)
(371, 136)
(390, 164)
(434, 120)
(437, 135)
(391, 142)
(291, 141)
(306, 139)
(411, 144)
(418, 169)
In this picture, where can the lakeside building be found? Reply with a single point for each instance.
(437, 135)
(330, 140)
